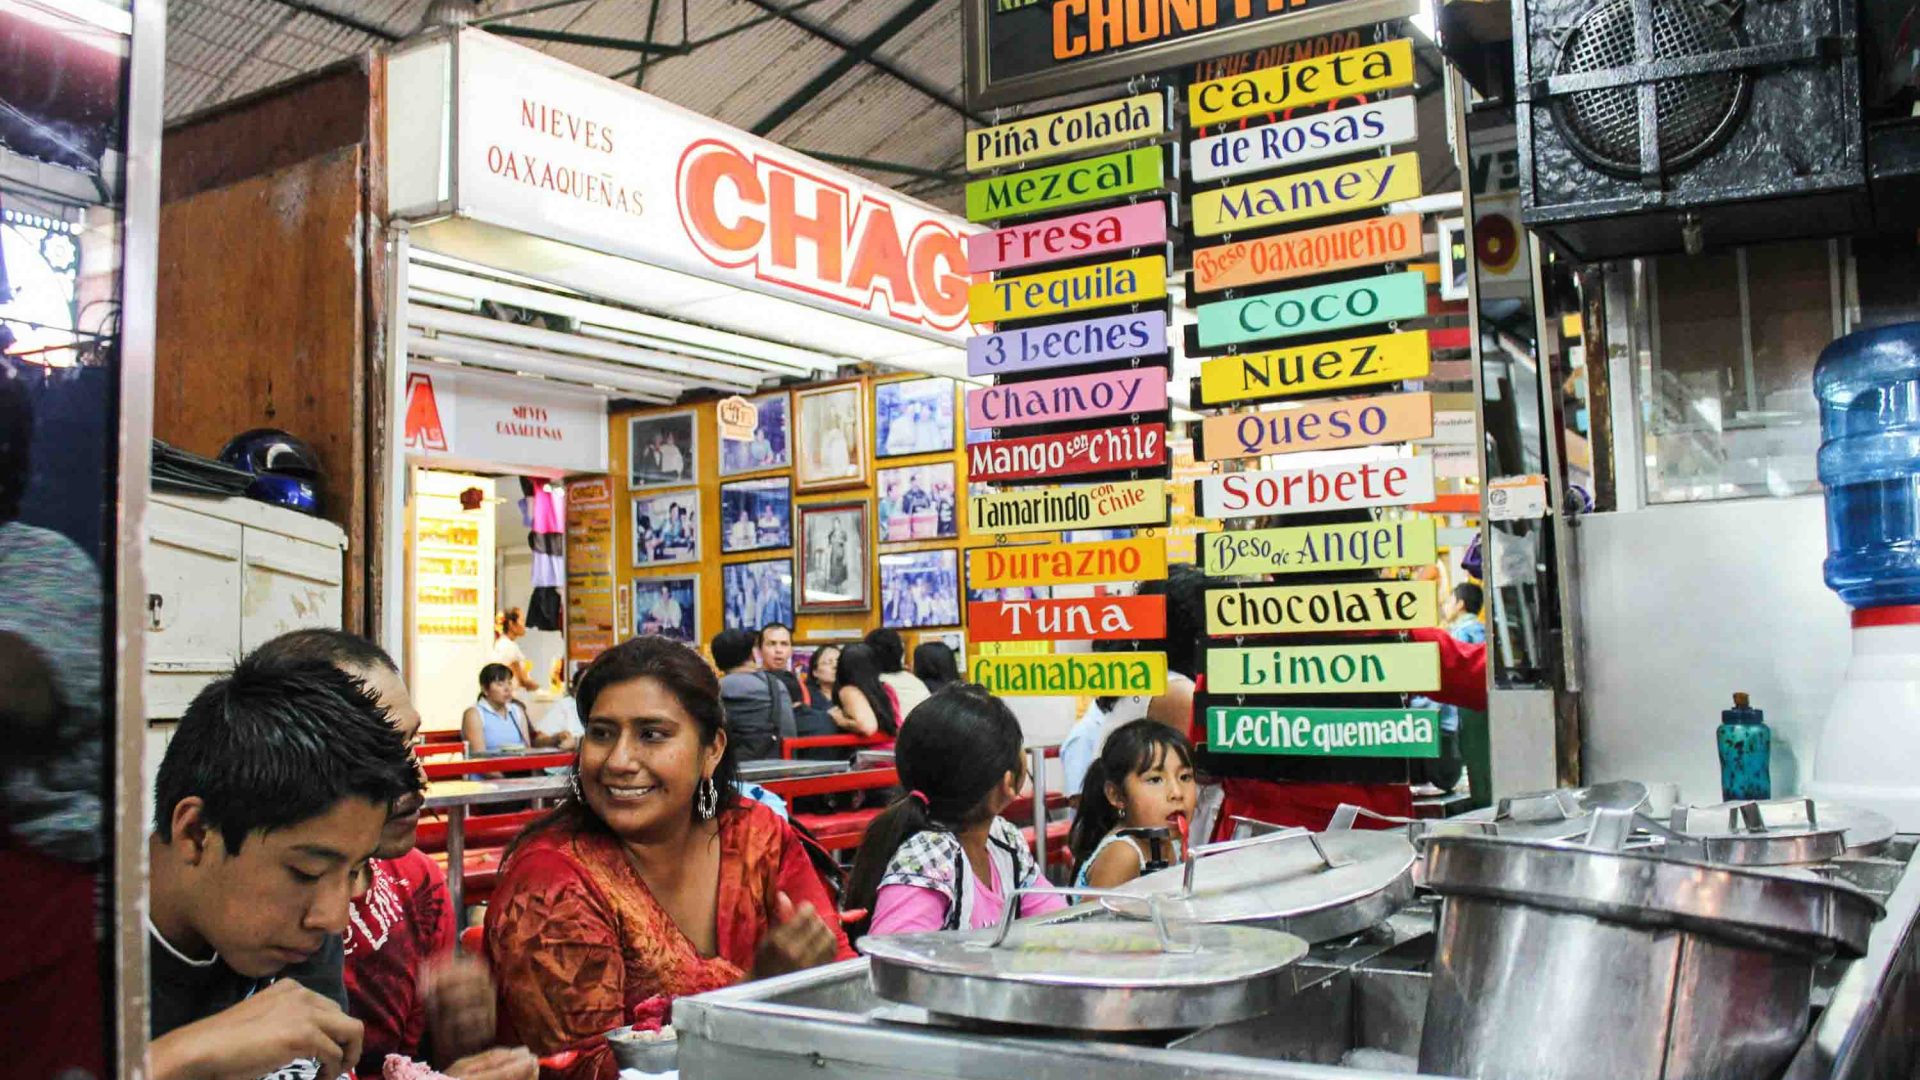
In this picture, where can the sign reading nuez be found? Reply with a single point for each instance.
(1299, 609)
(1303, 369)
(1101, 506)
(1325, 732)
(1090, 675)
(1088, 127)
(1057, 292)
(1140, 559)
(1413, 667)
(1337, 189)
(1367, 70)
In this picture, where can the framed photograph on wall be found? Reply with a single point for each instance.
(770, 446)
(920, 588)
(666, 528)
(913, 416)
(663, 450)
(835, 564)
(830, 431)
(757, 593)
(916, 502)
(668, 607)
(756, 515)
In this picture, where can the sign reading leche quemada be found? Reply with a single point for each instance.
(1325, 732)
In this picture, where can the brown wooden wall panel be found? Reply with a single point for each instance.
(271, 130)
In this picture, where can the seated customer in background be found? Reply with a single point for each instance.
(863, 705)
(654, 879)
(272, 796)
(759, 713)
(890, 652)
(495, 722)
(405, 983)
(810, 712)
(935, 665)
(560, 728)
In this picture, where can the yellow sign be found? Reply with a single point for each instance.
(1057, 292)
(1075, 674)
(1309, 82)
(738, 419)
(1088, 127)
(1339, 189)
(1302, 369)
(1300, 609)
(1140, 559)
(1329, 669)
(1095, 506)
(1313, 549)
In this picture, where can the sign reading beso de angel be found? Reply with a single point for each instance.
(1366, 545)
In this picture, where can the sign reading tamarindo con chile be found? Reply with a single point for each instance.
(1303, 369)
(1093, 506)
(1143, 558)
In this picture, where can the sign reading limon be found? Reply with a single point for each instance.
(1094, 232)
(1346, 246)
(1096, 179)
(1139, 559)
(1312, 310)
(1337, 189)
(1347, 605)
(1311, 549)
(1051, 134)
(1079, 397)
(1309, 138)
(1108, 618)
(1302, 369)
(1067, 453)
(1325, 732)
(1400, 482)
(1090, 675)
(1413, 667)
(1092, 341)
(1320, 425)
(1388, 66)
(1082, 288)
(1094, 506)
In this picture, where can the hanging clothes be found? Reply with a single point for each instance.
(546, 519)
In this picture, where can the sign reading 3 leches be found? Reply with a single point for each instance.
(1337, 189)
(1090, 674)
(1142, 558)
(1405, 668)
(1100, 618)
(1078, 397)
(1074, 183)
(1312, 310)
(1068, 453)
(1387, 66)
(1399, 482)
(1303, 609)
(1307, 139)
(1312, 549)
(1320, 425)
(1082, 288)
(1303, 369)
(1325, 732)
(1325, 250)
(1092, 506)
(1070, 344)
(1095, 232)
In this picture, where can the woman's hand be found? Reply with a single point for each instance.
(458, 992)
(798, 940)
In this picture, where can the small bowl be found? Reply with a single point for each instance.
(658, 1056)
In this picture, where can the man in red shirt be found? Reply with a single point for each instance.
(405, 982)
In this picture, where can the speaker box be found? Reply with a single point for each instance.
(1650, 126)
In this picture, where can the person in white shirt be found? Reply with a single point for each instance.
(672, 462)
(744, 534)
(506, 648)
(560, 725)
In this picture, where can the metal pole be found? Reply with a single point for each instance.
(1037, 769)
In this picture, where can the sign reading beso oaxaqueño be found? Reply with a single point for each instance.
(1312, 549)
(1100, 618)
(1337, 189)
(1331, 365)
(1096, 179)
(1320, 425)
(1092, 341)
(1409, 668)
(1069, 453)
(1400, 482)
(1095, 232)
(1092, 506)
(1058, 292)
(1325, 732)
(1142, 558)
(1091, 674)
(1313, 310)
(1387, 66)
(1301, 609)
(1068, 131)
(1308, 138)
(1081, 397)
(1350, 244)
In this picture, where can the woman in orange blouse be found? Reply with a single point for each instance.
(654, 879)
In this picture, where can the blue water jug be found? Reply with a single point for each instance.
(1869, 388)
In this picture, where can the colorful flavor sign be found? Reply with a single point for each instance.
(1142, 558)
(1313, 549)
(1096, 179)
(1078, 397)
(1400, 482)
(1094, 506)
(1308, 138)
(1387, 66)
(1325, 732)
(1100, 618)
(1095, 232)
(1301, 369)
(1337, 189)
(590, 613)
(1093, 341)
(1089, 675)
(1082, 288)
(1320, 425)
(1313, 310)
(1301, 609)
(1413, 667)
(1346, 246)
(1068, 131)
(1069, 453)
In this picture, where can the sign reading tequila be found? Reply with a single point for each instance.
(1094, 506)
(1312, 549)
(1312, 310)
(1325, 732)
(1298, 609)
(1367, 70)
(1057, 292)
(1086, 675)
(1337, 189)
(1098, 179)
(1410, 668)
(1303, 369)
(1067, 131)
(1140, 559)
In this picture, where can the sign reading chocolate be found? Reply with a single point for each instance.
(1075, 675)
(1067, 131)
(1337, 189)
(1413, 667)
(1094, 341)
(1079, 397)
(1313, 549)
(1095, 179)
(1082, 288)
(1313, 310)
(1069, 453)
(1325, 732)
(1308, 138)
(1320, 425)
(1400, 482)
(1300, 609)
(1350, 244)
(1094, 232)
(1100, 618)
(1388, 66)
(1094, 506)
(1143, 558)
(1330, 365)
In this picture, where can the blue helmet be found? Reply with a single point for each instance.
(286, 471)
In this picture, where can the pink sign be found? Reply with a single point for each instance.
(1092, 233)
(1110, 393)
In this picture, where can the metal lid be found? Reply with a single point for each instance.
(1783, 832)
(1561, 814)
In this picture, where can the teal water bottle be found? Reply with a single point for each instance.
(1746, 752)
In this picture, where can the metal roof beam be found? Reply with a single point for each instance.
(372, 30)
(877, 165)
(653, 19)
(876, 62)
(861, 51)
(595, 41)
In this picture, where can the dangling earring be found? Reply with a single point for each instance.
(706, 798)
(573, 782)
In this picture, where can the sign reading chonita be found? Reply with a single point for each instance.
(1301, 609)
(1094, 506)
(1097, 179)
(1096, 232)
(1108, 449)
(1337, 189)
(1398, 482)
(1346, 246)
(1092, 674)
(1320, 425)
(1387, 66)
(1082, 288)
(1109, 618)
(1093, 341)
(1325, 732)
(1313, 310)
(1303, 369)
(1413, 668)
(1309, 138)
(1080, 397)
(1312, 549)
(1142, 558)
(1051, 134)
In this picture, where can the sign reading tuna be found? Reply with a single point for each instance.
(1400, 482)
(1067, 131)
(1110, 618)
(1310, 82)
(1081, 397)
(1337, 189)
(1309, 138)
(1319, 425)
(1070, 453)
(1313, 310)
(1058, 292)
(1055, 345)
(1350, 244)
(1098, 179)
(1095, 232)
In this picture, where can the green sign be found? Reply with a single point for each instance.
(1325, 732)
(1413, 667)
(1090, 180)
(1367, 545)
(1364, 302)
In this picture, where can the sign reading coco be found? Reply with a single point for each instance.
(1315, 310)
(1083, 288)
(1338, 189)
(1114, 337)
(1309, 138)
(1130, 172)
(1350, 244)
(1413, 667)
(1299, 609)
(1332, 365)
(1109, 449)
(1082, 397)
(1095, 232)
(1140, 559)
(1325, 732)
(1095, 674)
(1310, 82)
(1368, 545)
(1067, 131)
(1117, 505)
(1327, 425)
(1112, 618)
(1401, 482)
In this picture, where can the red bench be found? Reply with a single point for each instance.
(788, 747)
(465, 767)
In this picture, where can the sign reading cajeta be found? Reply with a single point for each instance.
(1080, 397)
(1309, 138)
(1301, 369)
(1093, 506)
(1312, 310)
(1067, 131)
(1337, 189)
(1082, 288)
(1399, 482)
(1142, 558)
(1413, 667)
(1101, 618)
(1092, 341)
(1325, 732)
(1300, 609)
(1091, 674)
(1108, 449)
(1096, 179)
(1320, 425)
(1367, 545)
(1367, 70)
(1094, 232)
(1350, 244)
